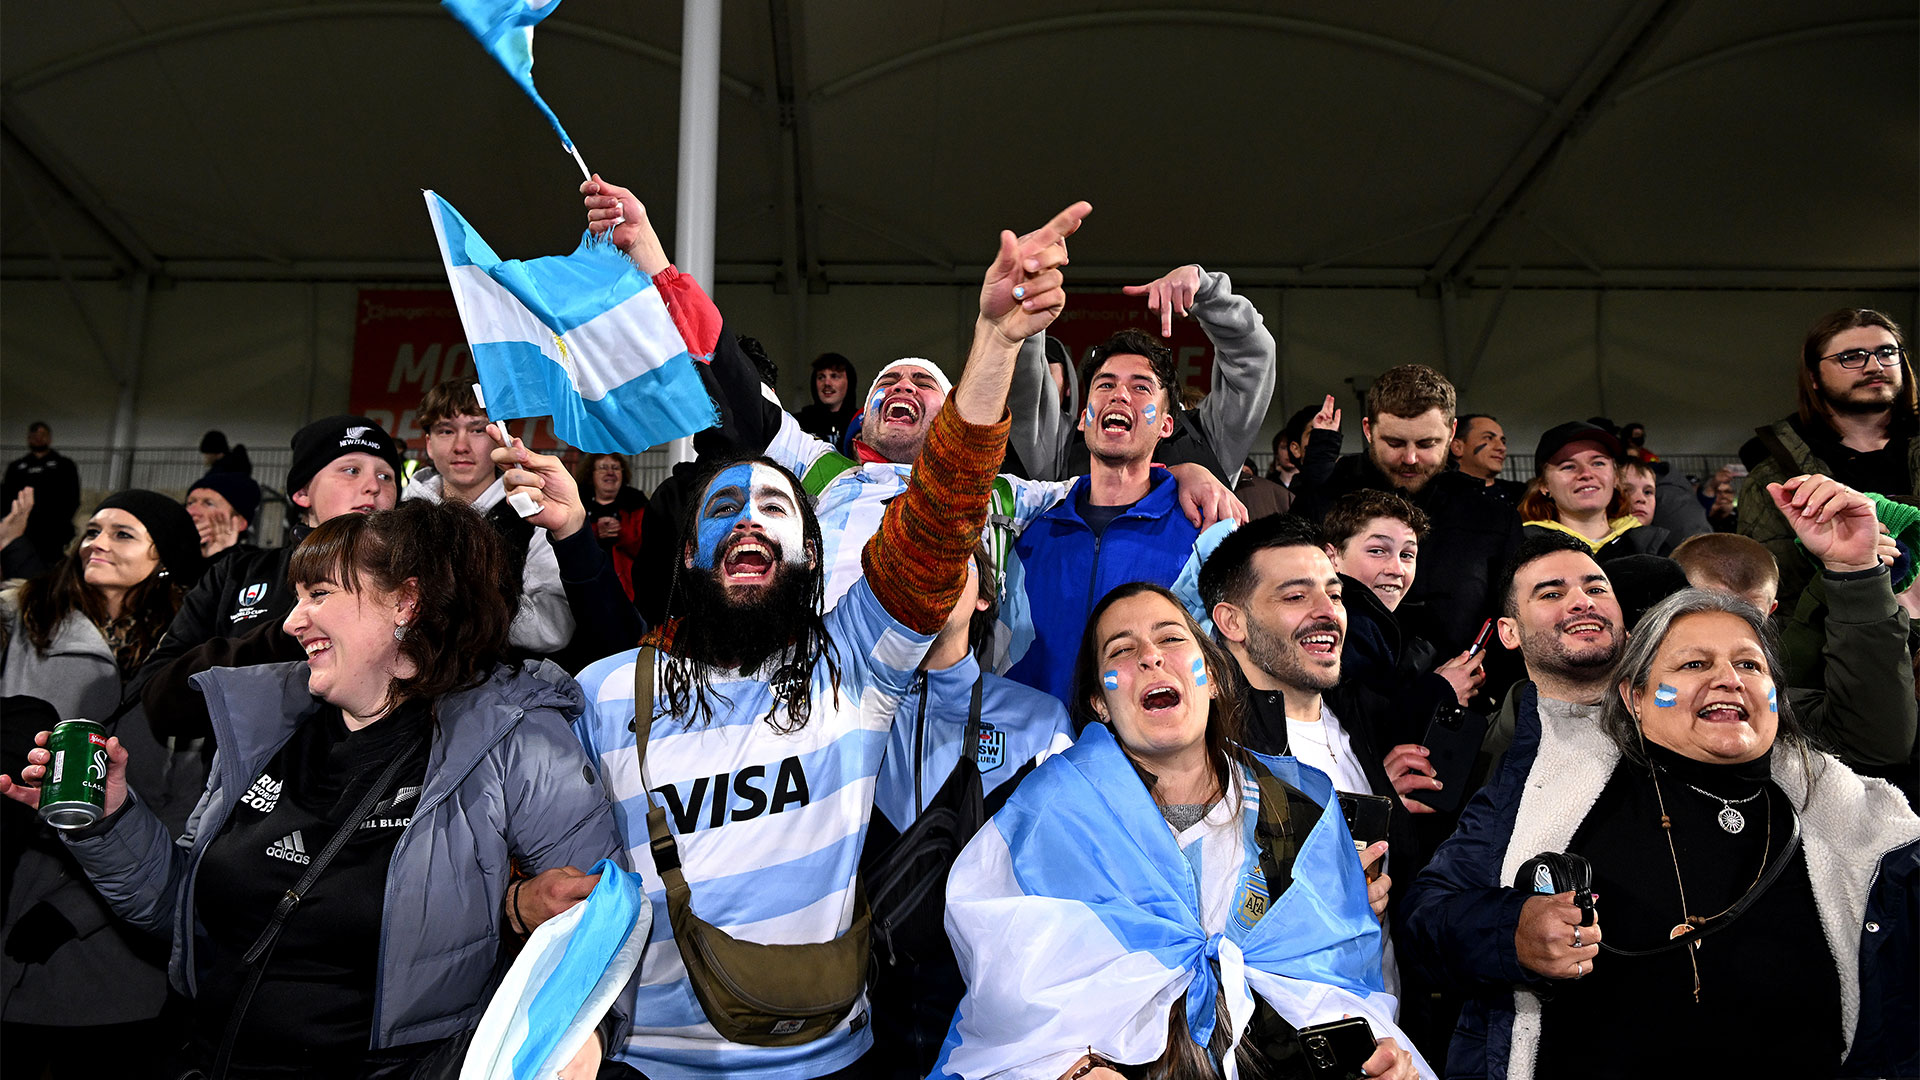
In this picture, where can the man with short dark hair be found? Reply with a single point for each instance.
(1857, 422)
(1217, 435)
(55, 481)
(1407, 430)
(1278, 606)
(1120, 523)
(1479, 449)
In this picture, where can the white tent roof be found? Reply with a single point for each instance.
(1713, 143)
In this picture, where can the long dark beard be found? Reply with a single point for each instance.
(712, 634)
(724, 634)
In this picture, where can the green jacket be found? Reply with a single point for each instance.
(1760, 519)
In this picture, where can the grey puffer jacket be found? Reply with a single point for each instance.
(506, 781)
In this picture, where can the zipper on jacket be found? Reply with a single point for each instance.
(919, 739)
(421, 811)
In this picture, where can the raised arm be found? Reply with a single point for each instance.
(917, 561)
(1867, 714)
(1244, 355)
(748, 420)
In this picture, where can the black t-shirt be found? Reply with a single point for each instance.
(1097, 517)
(316, 998)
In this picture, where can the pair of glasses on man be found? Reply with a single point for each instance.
(1855, 359)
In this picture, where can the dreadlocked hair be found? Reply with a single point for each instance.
(687, 677)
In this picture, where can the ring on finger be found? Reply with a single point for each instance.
(1576, 937)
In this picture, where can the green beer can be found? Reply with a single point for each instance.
(74, 793)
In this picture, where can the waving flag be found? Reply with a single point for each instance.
(505, 28)
(584, 338)
(1075, 918)
(565, 979)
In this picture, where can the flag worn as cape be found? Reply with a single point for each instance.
(505, 29)
(569, 974)
(584, 338)
(1075, 918)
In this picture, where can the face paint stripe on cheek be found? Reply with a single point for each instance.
(1110, 680)
(1773, 700)
(1151, 412)
(1665, 697)
(1199, 671)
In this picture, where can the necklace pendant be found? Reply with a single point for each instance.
(1679, 931)
(1731, 820)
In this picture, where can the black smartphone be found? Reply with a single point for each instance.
(1336, 1051)
(1452, 742)
(1367, 817)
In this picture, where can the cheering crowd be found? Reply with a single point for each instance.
(1000, 727)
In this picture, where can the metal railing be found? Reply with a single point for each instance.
(169, 469)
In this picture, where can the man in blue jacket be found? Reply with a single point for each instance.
(1120, 523)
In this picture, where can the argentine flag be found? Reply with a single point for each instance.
(565, 979)
(584, 338)
(505, 29)
(1074, 915)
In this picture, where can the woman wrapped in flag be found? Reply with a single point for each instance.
(1158, 901)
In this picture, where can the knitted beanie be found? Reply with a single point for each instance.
(239, 489)
(316, 445)
(167, 523)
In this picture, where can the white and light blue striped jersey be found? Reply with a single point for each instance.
(769, 827)
(849, 499)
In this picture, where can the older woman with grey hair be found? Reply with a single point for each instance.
(1755, 901)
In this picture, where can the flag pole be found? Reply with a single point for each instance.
(585, 173)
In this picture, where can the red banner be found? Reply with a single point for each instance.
(1092, 318)
(405, 341)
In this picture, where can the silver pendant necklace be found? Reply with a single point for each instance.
(1731, 820)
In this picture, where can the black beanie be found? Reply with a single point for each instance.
(238, 489)
(317, 444)
(172, 530)
(214, 442)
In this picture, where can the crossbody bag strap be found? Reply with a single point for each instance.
(256, 956)
(666, 853)
(1725, 918)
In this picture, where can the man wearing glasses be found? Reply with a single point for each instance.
(1856, 423)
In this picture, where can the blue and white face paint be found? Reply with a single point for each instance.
(1150, 411)
(1110, 680)
(1773, 700)
(750, 509)
(1199, 668)
(1665, 697)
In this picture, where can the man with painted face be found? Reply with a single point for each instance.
(1407, 429)
(770, 718)
(1120, 523)
(850, 491)
(1218, 434)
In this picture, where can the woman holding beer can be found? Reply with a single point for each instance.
(69, 968)
(391, 782)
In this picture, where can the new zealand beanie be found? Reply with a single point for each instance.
(317, 444)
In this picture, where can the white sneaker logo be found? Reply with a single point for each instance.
(291, 847)
(264, 795)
